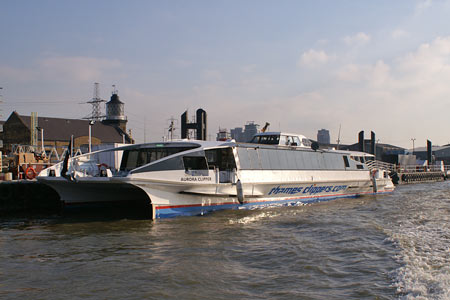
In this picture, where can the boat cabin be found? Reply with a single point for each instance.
(281, 139)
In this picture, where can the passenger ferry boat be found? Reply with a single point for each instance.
(190, 177)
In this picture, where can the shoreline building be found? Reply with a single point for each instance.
(250, 129)
(237, 134)
(56, 132)
(323, 137)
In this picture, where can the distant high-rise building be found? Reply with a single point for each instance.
(237, 134)
(250, 130)
(323, 136)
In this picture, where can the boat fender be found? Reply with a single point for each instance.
(30, 173)
(240, 191)
(374, 181)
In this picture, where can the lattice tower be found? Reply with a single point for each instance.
(96, 101)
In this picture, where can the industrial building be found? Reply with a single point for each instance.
(439, 153)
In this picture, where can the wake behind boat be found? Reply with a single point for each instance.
(190, 177)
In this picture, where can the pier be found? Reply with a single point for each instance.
(412, 173)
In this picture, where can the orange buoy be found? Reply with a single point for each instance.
(30, 173)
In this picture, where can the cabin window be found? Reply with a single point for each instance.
(135, 158)
(129, 160)
(266, 139)
(296, 141)
(222, 159)
(346, 162)
(195, 165)
(306, 142)
(289, 140)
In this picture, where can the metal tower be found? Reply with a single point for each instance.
(96, 101)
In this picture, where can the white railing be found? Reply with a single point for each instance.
(416, 169)
(375, 164)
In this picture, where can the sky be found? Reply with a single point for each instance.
(381, 66)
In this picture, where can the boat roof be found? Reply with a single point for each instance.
(279, 133)
(218, 144)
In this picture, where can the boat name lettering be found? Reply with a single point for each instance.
(200, 178)
(311, 190)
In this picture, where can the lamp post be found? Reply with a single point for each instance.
(413, 139)
(375, 148)
(90, 135)
(42, 138)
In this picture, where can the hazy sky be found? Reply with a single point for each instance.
(299, 65)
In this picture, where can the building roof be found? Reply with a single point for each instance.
(434, 148)
(58, 129)
(115, 100)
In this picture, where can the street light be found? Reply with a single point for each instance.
(413, 139)
(42, 138)
(90, 134)
(375, 148)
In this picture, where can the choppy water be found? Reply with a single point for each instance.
(385, 247)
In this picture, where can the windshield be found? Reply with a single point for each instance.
(266, 139)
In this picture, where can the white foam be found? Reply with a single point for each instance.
(424, 242)
(254, 218)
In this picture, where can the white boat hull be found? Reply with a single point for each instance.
(181, 199)
(196, 178)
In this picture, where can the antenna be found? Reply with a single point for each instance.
(171, 128)
(339, 137)
(1, 101)
(95, 101)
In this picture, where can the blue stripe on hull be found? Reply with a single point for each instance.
(200, 210)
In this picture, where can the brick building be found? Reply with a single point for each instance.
(57, 132)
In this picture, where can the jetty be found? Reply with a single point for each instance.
(413, 173)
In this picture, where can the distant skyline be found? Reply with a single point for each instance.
(381, 66)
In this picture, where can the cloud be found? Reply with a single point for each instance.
(399, 33)
(78, 68)
(358, 39)
(313, 58)
(376, 74)
(422, 5)
(405, 91)
(18, 74)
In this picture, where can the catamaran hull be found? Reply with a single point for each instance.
(175, 199)
(167, 203)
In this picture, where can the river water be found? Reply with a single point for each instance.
(375, 247)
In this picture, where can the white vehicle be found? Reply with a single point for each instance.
(190, 177)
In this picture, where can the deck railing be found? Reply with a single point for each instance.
(375, 164)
